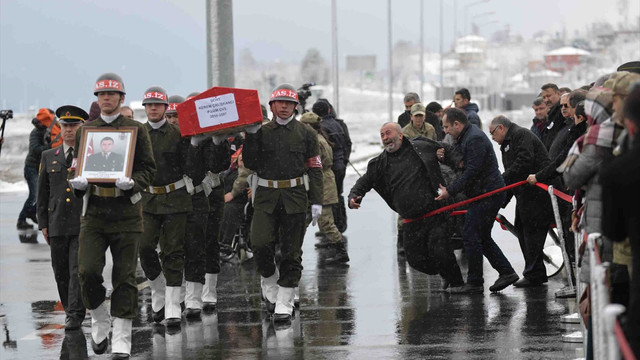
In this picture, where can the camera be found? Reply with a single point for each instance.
(6, 114)
(304, 93)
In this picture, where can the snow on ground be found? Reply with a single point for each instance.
(363, 111)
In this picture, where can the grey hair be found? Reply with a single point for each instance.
(396, 126)
(412, 96)
(501, 120)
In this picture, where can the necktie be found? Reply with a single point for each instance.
(69, 156)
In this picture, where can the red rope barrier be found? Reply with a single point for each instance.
(625, 348)
(557, 193)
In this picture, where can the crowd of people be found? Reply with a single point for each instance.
(187, 196)
(582, 142)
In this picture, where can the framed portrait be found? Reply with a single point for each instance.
(106, 154)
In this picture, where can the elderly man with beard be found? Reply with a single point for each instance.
(407, 175)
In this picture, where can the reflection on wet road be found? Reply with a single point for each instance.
(376, 308)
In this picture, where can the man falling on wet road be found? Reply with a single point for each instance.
(407, 175)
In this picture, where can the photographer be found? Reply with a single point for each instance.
(38, 142)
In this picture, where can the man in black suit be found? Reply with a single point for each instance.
(59, 215)
(106, 160)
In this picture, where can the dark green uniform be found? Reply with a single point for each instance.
(114, 222)
(282, 152)
(220, 162)
(165, 214)
(59, 211)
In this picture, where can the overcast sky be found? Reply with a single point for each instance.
(51, 52)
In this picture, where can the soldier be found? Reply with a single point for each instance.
(172, 110)
(105, 160)
(113, 219)
(59, 215)
(280, 153)
(165, 206)
(417, 126)
(202, 252)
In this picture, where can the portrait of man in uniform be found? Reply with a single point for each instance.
(106, 159)
(106, 155)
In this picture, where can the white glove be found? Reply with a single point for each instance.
(197, 139)
(218, 139)
(316, 210)
(79, 183)
(124, 183)
(253, 128)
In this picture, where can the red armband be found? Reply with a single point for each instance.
(314, 162)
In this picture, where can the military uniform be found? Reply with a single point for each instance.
(220, 162)
(427, 130)
(201, 246)
(113, 220)
(59, 212)
(280, 152)
(164, 207)
(105, 162)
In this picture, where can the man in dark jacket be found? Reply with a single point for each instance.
(59, 215)
(38, 142)
(540, 119)
(405, 118)
(462, 100)
(479, 176)
(522, 154)
(341, 151)
(555, 119)
(407, 175)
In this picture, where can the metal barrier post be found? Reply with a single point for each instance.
(565, 256)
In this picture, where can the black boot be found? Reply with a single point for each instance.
(340, 255)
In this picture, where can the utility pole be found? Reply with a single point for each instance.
(220, 65)
(335, 65)
(421, 50)
(390, 63)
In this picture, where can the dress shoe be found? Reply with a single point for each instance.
(467, 289)
(158, 316)
(118, 356)
(100, 348)
(504, 281)
(281, 318)
(23, 225)
(72, 323)
(209, 307)
(526, 283)
(192, 313)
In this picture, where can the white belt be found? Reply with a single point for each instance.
(280, 184)
(213, 180)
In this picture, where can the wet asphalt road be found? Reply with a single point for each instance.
(376, 308)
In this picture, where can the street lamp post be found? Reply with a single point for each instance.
(467, 8)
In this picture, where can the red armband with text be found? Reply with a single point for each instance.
(314, 162)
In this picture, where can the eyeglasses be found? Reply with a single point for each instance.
(494, 130)
(565, 105)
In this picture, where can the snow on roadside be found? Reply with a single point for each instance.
(8, 187)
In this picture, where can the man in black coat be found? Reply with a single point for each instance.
(523, 153)
(405, 118)
(59, 215)
(341, 146)
(555, 119)
(480, 175)
(407, 175)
